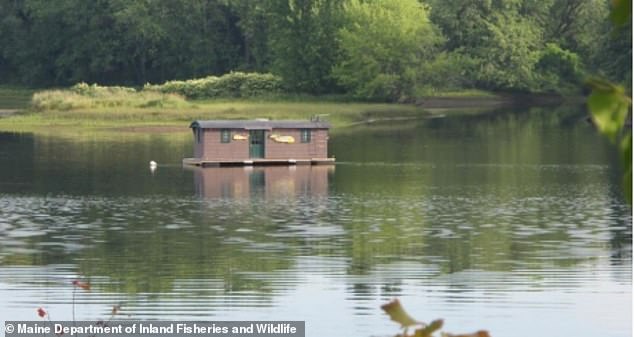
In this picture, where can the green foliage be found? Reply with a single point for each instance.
(94, 90)
(448, 71)
(253, 26)
(383, 45)
(559, 69)
(621, 11)
(512, 44)
(232, 85)
(370, 49)
(303, 43)
(117, 41)
(610, 106)
(506, 59)
(84, 96)
(73, 110)
(615, 60)
(574, 25)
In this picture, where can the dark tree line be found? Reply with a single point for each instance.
(384, 49)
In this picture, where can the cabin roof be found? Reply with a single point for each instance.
(259, 124)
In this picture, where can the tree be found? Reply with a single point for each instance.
(303, 43)
(501, 38)
(558, 69)
(254, 28)
(59, 42)
(615, 60)
(575, 24)
(383, 44)
(507, 57)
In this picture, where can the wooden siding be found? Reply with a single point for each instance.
(211, 147)
(317, 148)
(214, 149)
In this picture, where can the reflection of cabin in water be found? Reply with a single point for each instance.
(254, 142)
(270, 182)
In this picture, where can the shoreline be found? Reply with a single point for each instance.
(8, 112)
(341, 114)
(497, 100)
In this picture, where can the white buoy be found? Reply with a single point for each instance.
(153, 165)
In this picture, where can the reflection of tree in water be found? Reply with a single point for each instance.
(17, 161)
(89, 164)
(151, 262)
(621, 236)
(492, 191)
(144, 245)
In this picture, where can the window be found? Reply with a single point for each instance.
(225, 136)
(305, 135)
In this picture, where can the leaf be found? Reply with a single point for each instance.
(428, 330)
(621, 11)
(398, 314)
(608, 105)
(480, 333)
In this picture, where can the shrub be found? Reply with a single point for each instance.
(83, 96)
(260, 85)
(60, 100)
(232, 85)
(560, 70)
(95, 90)
(447, 71)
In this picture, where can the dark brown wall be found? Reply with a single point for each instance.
(317, 148)
(212, 149)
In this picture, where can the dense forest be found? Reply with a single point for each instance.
(376, 49)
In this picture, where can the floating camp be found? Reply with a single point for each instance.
(259, 142)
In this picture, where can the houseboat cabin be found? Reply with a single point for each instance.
(259, 142)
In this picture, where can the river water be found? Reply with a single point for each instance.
(509, 221)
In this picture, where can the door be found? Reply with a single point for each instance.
(256, 143)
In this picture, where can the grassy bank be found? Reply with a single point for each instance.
(94, 107)
(339, 114)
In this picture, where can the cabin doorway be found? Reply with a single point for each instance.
(256, 143)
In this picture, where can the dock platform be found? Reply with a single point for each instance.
(253, 162)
